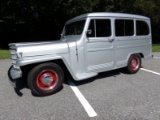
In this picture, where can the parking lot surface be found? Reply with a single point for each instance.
(113, 95)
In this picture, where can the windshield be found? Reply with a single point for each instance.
(75, 28)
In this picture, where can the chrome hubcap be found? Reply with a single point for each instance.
(135, 63)
(47, 79)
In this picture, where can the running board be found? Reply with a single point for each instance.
(85, 76)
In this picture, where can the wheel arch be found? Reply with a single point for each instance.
(141, 54)
(65, 67)
(135, 53)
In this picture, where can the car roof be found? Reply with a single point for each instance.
(107, 14)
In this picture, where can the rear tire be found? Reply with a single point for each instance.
(134, 64)
(45, 79)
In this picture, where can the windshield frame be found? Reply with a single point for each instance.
(72, 23)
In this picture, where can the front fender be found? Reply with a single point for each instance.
(33, 60)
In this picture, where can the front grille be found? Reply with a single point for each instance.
(13, 56)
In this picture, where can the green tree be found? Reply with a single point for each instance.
(44, 19)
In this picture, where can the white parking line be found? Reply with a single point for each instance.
(150, 71)
(156, 57)
(90, 111)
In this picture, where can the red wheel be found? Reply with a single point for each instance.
(45, 79)
(134, 64)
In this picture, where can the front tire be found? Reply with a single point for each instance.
(45, 79)
(134, 64)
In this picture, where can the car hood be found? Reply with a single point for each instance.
(40, 48)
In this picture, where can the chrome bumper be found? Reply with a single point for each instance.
(14, 73)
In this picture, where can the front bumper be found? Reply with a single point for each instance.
(14, 73)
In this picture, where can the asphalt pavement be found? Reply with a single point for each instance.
(113, 95)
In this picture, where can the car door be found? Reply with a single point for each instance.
(100, 45)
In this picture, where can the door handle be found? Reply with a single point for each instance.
(110, 39)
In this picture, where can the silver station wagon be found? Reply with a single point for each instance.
(89, 44)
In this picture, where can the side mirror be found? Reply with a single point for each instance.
(62, 36)
(89, 32)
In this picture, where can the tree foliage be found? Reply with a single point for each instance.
(30, 20)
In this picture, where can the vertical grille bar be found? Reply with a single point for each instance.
(13, 56)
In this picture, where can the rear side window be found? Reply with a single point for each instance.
(142, 28)
(124, 27)
(99, 28)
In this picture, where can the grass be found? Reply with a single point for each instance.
(5, 54)
(156, 48)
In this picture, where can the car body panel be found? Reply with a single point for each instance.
(83, 56)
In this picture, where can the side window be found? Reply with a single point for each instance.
(142, 28)
(91, 29)
(119, 27)
(103, 28)
(129, 27)
(99, 28)
(124, 27)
